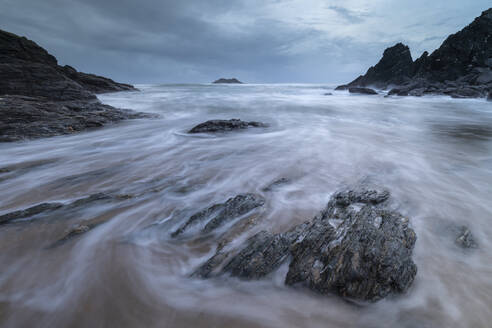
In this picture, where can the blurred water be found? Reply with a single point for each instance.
(433, 153)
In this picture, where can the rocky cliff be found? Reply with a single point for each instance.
(39, 98)
(461, 67)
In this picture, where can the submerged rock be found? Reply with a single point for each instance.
(227, 81)
(465, 238)
(219, 214)
(365, 91)
(224, 126)
(275, 184)
(29, 212)
(356, 248)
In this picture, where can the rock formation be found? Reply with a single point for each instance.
(225, 126)
(364, 91)
(357, 248)
(461, 67)
(39, 98)
(227, 81)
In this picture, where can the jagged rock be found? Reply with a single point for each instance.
(461, 67)
(356, 248)
(365, 91)
(465, 238)
(219, 214)
(227, 81)
(39, 98)
(27, 117)
(224, 126)
(398, 92)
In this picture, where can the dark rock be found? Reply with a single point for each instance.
(461, 67)
(27, 117)
(224, 126)
(489, 97)
(365, 91)
(95, 83)
(29, 212)
(275, 184)
(356, 248)
(398, 92)
(227, 81)
(328, 94)
(220, 214)
(465, 238)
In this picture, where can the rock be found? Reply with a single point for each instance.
(227, 81)
(275, 184)
(328, 94)
(398, 92)
(463, 63)
(33, 117)
(224, 126)
(489, 97)
(365, 91)
(39, 98)
(465, 238)
(356, 248)
(219, 214)
(29, 70)
(29, 212)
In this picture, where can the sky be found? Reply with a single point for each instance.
(256, 41)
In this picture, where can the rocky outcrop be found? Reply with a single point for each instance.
(39, 98)
(219, 214)
(227, 81)
(461, 67)
(35, 117)
(364, 91)
(357, 248)
(225, 126)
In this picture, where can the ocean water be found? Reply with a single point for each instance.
(433, 153)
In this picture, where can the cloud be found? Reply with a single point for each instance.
(254, 40)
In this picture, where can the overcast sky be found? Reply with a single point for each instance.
(262, 41)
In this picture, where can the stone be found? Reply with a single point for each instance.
(465, 238)
(218, 215)
(357, 248)
(225, 126)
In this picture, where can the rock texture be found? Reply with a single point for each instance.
(357, 248)
(461, 67)
(227, 81)
(39, 98)
(225, 126)
(219, 214)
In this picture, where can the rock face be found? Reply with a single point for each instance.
(31, 73)
(356, 248)
(220, 214)
(227, 81)
(364, 91)
(225, 126)
(461, 67)
(35, 117)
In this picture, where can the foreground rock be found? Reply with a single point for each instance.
(225, 126)
(465, 238)
(27, 117)
(357, 248)
(34, 76)
(364, 91)
(227, 81)
(221, 214)
(461, 67)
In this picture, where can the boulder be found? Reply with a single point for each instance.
(465, 238)
(357, 248)
(224, 126)
(365, 91)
